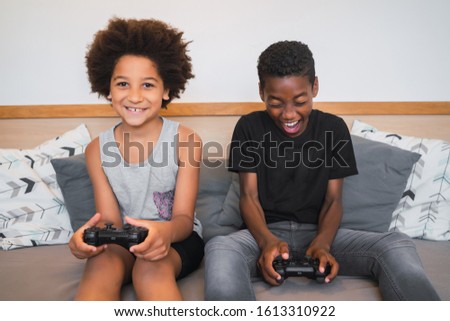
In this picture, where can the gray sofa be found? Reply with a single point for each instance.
(52, 273)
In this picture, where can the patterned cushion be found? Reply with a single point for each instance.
(32, 209)
(424, 210)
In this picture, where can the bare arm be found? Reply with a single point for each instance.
(329, 220)
(189, 157)
(105, 203)
(253, 216)
(105, 200)
(163, 234)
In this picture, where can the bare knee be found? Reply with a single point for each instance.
(105, 274)
(154, 270)
(156, 280)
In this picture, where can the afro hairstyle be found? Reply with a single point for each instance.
(286, 58)
(148, 38)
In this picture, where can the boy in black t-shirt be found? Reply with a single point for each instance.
(292, 161)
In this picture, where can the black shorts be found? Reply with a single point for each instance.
(191, 251)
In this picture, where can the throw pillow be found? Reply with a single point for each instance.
(424, 210)
(30, 214)
(213, 186)
(230, 214)
(32, 209)
(369, 198)
(76, 187)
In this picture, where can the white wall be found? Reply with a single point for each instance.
(380, 50)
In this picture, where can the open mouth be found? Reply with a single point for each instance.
(291, 127)
(135, 109)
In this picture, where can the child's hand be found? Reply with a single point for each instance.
(78, 247)
(157, 244)
(269, 252)
(325, 258)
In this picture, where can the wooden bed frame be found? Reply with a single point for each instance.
(28, 126)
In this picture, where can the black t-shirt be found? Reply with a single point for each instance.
(292, 173)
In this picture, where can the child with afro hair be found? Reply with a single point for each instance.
(145, 169)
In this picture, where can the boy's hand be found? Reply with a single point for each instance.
(268, 254)
(325, 257)
(157, 243)
(78, 247)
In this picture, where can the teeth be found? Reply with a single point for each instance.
(291, 124)
(134, 109)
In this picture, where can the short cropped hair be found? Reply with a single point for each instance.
(148, 38)
(286, 58)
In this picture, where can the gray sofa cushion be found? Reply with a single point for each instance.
(214, 184)
(369, 198)
(76, 188)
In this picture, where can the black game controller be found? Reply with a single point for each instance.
(128, 236)
(305, 266)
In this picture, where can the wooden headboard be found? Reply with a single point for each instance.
(28, 126)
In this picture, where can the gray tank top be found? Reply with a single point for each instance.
(145, 190)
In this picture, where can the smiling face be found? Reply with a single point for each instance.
(289, 102)
(137, 90)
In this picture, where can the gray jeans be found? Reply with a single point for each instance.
(389, 258)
